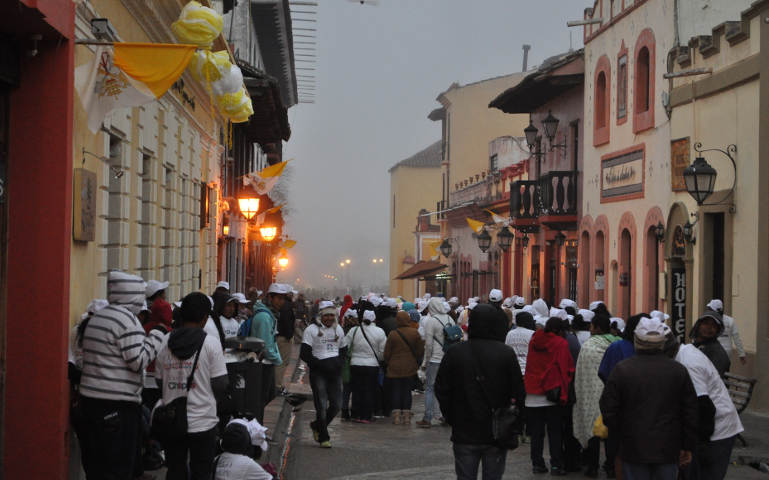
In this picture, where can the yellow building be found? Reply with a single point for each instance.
(473, 173)
(725, 252)
(415, 185)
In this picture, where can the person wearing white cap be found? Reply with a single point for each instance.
(651, 405)
(116, 350)
(323, 350)
(453, 304)
(244, 311)
(221, 287)
(366, 345)
(719, 419)
(582, 323)
(541, 312)
(730, 334)
(588, 388)
(434, 326)
(264, 325)
(704, 335)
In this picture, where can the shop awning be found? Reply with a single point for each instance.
(421, 269)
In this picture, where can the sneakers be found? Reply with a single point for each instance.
(539, 469)
(315, 432)
(424, 423)
(326, 444)
(557, 472)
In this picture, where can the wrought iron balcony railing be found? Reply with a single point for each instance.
(555, 193)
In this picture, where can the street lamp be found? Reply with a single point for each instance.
(446, 248)
(525, 240)
(268, 233)
(505, 239)
(550, 123)
(689, 232)
(249, 206)
(283, 262)
(347, 261)
(484, 240)
(341, 264)
(659, 231)
(531, 134)
(700, 180)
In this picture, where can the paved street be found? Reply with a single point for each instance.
(385, 451)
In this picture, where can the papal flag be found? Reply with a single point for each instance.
(498, 219)
(128, 75)
(476, 225)
(265, 180)
(263, 216)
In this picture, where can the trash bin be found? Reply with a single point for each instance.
(247, 394)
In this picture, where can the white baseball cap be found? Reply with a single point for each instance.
(240, 298)
(716, 305)
(594, 305)
(223, 284)
(369, 315)
(587, 315)
(279, 288)
(495, 295)
(390, 302)
(153, 287)
(567, 303)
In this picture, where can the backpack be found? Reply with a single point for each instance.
(452, 335)
(245, 327)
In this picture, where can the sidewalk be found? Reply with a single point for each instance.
(757, 437)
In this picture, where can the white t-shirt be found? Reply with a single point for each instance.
(707, 382)
(210, 328)
(536, 401)
(230, 326)
(519, 338)
(201, 404)
(325, 342)
(362, 353)
(231, 466)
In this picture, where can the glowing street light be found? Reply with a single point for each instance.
(341, 264)
(283, 262)
(381, 260)
(347, 261)
(268, 233)
(249, 206)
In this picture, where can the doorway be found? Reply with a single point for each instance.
(4, 156)
(625, 274)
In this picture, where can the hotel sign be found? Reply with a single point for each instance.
(622, 175)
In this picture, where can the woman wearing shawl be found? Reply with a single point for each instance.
(588, 388)
(549, 368)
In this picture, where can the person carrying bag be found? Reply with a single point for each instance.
(403, 355)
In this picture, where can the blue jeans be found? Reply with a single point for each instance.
(430, 401)
(327, 396)
(467, 458)
(649, 471)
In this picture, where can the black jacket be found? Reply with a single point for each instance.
(286, 320)
(649, 400)
(462, 400)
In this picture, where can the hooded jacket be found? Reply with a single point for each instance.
(434, 323)
(404, 349)
(264, 325)
(541, 312)
(712, 348)
(466, 405)
(548, 365)
(345, 306)
(184, 342)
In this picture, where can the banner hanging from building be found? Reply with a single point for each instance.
(128, 75)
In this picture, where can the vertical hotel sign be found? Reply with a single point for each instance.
(622, 176)
(679, 160)
(678, 273)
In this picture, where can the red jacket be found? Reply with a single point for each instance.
(160, 314)
(548, 365)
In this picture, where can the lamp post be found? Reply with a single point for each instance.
(525, 240)
(446, 248)
(700, 177)
(484, 240)
(659, 231)
(560, 239)
(268, 233)
(550, 125)
(505, 239)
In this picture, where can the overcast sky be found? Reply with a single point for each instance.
(379, 70)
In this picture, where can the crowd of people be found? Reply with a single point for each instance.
(150, 382)
(151, 385)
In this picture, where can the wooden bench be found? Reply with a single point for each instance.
(740, 391)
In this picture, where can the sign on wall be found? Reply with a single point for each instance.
(678, 301)
(84, 205)
(679, 160)
(622, 175)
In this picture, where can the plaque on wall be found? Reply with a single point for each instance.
(84, 205)
(679, 160)
(622, 175)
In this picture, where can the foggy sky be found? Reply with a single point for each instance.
(379, 70)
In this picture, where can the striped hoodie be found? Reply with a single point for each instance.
(116, 349)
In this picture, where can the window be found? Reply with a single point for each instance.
(114, 203)
(145, 220)
(493, 163)
(168, 224)
(600, 101)
(622, 87)
(601, 107)
(642, 81)
(643, 74)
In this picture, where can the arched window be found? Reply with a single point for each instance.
(585, 269)
(643, 75)
(642, 92)
(601, 103)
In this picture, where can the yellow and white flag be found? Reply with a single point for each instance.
(476, 225)
(128, 75)
(498, 219)
(265, 180)
(263, 216)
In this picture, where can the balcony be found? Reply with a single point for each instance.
(485, 190)
(551, 200)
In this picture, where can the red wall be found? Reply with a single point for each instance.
(40, 199)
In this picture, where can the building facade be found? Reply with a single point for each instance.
(723, 255)
(482, 152)
(415, 185)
